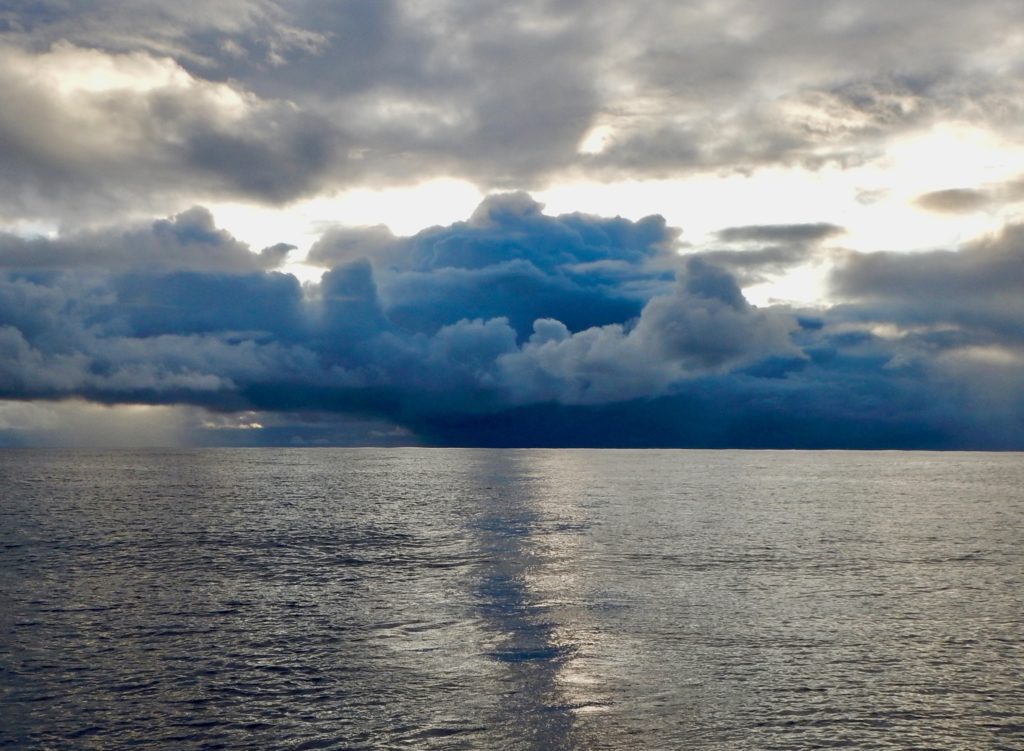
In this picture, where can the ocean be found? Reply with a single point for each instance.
(481, 599)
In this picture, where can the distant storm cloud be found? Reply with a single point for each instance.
(510, 260)
(520, 328)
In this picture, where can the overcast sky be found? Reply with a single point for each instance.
(782, 223)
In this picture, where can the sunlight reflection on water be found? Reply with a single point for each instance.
(511, 599)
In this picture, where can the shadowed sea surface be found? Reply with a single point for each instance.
(476, 599)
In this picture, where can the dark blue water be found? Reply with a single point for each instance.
(417, 599)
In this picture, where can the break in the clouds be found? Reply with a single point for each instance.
(516, 327)
(710, 163)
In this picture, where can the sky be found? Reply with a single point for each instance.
(715, 223)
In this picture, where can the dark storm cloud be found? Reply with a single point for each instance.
(510, 260)
(272, 101)
(510, 307)
(519, 328)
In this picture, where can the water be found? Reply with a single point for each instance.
(419, 599)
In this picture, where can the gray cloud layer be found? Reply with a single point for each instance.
(966, 200)
(187, 241)
(271, 101)
(976, 290)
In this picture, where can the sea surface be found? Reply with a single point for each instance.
(475, 599)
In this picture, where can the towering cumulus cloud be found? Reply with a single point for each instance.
(520, 328)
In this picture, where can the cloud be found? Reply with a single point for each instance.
(976, 290)
(756, 252)
(513, 325)
(967, 200)
(954, 200)
(255, 30)
(119, 106)
(779, 233)
(705, 325)
(956, 316)
(520, 328)
(89, 132)
(510, 307)
(189, 240)
(342, 244)
(510, 260)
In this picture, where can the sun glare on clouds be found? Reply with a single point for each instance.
(702, 204)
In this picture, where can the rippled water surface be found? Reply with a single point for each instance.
(276, 599)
